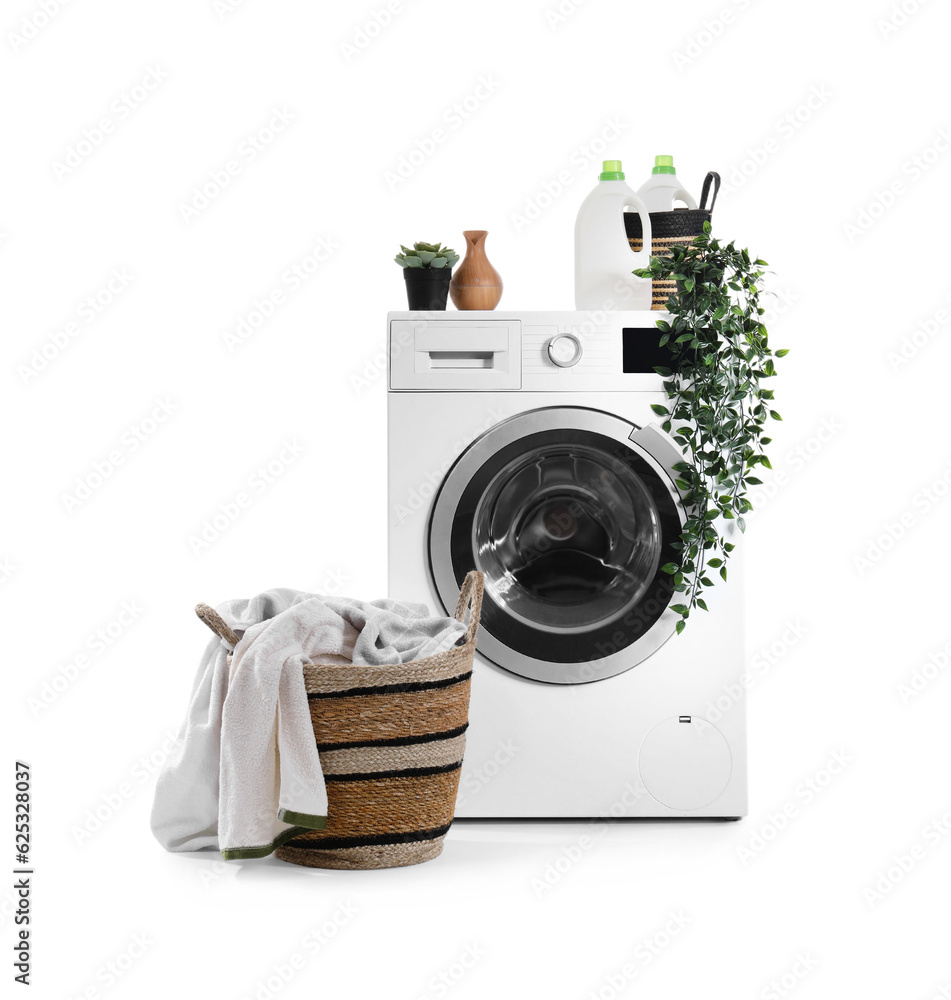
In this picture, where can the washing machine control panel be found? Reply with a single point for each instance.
(536, 351)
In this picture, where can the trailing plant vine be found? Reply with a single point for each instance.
(718, 409)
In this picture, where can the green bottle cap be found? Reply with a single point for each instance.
(611, 171)
(663, 165)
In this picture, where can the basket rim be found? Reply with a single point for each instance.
(440, 666)
(470, 598)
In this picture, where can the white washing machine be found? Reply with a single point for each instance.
(523, 444)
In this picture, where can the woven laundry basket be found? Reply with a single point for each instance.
(391, 740)
(670, 229)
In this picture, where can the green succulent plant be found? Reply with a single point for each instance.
(426, 255)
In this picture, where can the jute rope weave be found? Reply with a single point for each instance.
(670, 229)
(216, 623)
(391, 740)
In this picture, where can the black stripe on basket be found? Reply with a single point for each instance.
(392, 688)
(397, 741)
(406, 772)
(374, 840)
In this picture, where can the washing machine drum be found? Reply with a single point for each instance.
(571, 523)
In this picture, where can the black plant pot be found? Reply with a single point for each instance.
(427, 287)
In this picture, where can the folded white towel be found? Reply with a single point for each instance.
(245, 773)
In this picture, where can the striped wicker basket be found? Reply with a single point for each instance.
(391, 741)
(670, 229)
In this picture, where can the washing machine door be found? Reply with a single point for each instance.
(571, 514)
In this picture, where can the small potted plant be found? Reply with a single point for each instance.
(427, 269)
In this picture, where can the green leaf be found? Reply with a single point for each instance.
(681, 625)
(661, 411)
(775, 415)
(782, 352)
(719, 403)
(670, 568)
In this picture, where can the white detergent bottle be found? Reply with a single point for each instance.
(662, 189)
(604, 259)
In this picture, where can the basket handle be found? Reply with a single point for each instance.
(471, 593)
(216, 623)
(713, 177)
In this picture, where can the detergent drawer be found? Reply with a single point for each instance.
(455, 354)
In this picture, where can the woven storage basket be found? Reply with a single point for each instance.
(390, 740)
(670, 229)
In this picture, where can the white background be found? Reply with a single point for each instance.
(814, 115)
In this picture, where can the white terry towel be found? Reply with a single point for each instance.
(245, 773)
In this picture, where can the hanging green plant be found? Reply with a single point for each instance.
(718, 409)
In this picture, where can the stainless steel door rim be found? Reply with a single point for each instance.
(651, 449)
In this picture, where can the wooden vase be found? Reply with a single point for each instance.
(476, 284)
